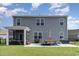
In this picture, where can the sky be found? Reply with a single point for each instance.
(7, 10)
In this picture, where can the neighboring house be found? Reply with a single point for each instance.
(37, 29)
(3, 34)
(73, 35)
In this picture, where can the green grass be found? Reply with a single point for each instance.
(18, 50)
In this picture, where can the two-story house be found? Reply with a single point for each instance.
(36, 29)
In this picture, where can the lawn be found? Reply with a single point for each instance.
(19, 50)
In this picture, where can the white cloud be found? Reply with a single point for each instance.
(3, 9)
(56, 5)
(59, 9)
(16, 10)
(19, 10)
(72, 23)
(75, 21)
(5, 4)
(62, 11)
(35, 5)
(71, 18)
(9, 12)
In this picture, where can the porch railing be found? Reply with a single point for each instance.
(16, 42)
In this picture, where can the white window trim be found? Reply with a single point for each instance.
(40, 21)
(17, 21)
(61, 35)
(37, 34)
(61, 20)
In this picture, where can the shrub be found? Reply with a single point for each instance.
(36, 40)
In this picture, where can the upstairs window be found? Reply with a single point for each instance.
(61, 21)
(18, 21)
(40, 21)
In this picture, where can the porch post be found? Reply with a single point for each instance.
(24, 36)
(7, 39)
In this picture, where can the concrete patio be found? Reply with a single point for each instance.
(58, 45)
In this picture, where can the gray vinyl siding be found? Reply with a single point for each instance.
(51, 23)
